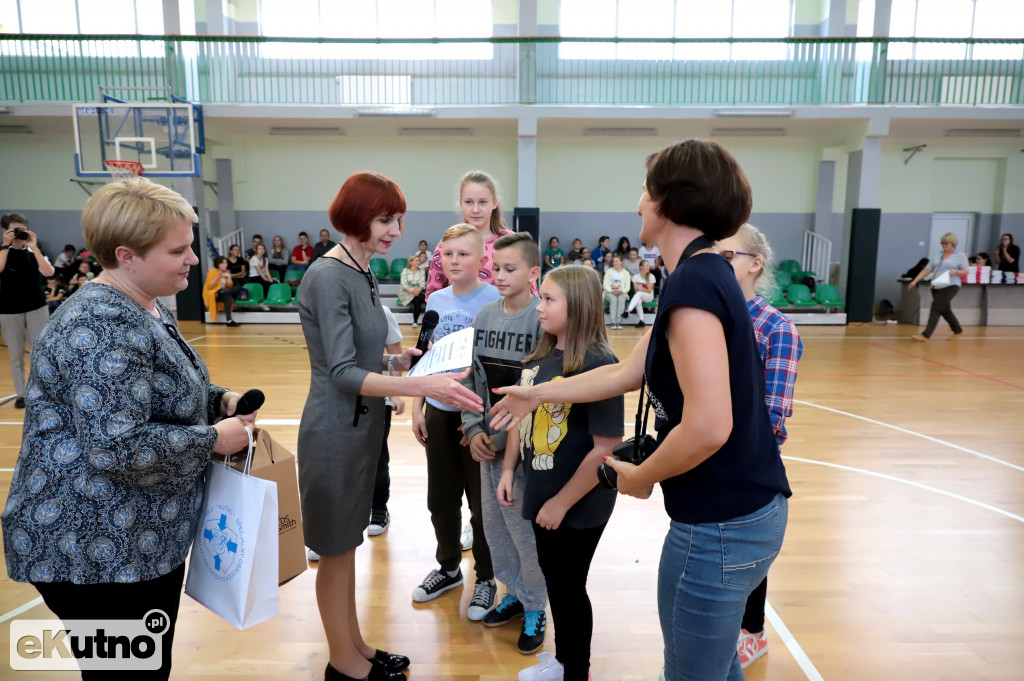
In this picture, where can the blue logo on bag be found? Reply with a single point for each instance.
(223, 542)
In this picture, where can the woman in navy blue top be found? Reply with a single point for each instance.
(719, 466)
(119, 426)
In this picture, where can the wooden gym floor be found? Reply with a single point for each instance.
(904, 557)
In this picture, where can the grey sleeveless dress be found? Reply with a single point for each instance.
(340, 432)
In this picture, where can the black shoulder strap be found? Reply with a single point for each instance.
(643, 408)
(698, 244)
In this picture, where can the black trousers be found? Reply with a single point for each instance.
(70, 601)
(565, 555)
(228, 296)
(418, 303)
(450, 472)
(942, 299)
(382, 483)
(753, 616)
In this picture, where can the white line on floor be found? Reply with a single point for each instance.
(20, 609)
(6, 470)
(911, 483)
(915, 434)
(810, 671)
(12, 423)
(192, 340)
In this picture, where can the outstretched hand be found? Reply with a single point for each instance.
(447, 389)
(517, 403)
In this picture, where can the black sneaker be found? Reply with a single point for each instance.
(483, 599)
(232, 324)
(509, 609)
(625, 315)
(390, 661)
(532, 638)
(19, 402)
(641, 324)
(379, 521)
(435, 584)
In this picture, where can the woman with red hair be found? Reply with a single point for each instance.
(343, 420)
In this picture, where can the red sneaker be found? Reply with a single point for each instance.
(750, 647)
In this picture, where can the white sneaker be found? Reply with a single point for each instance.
(548, 669)
(467, 537)
(312, 555)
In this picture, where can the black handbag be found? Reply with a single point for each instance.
(636, 449)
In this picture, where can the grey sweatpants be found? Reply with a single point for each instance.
(510, 538)
(17, 329)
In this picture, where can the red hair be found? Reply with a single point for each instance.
(364, 196)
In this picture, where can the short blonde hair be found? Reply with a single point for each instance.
(134, 213)
(950, 238)
(464, 229)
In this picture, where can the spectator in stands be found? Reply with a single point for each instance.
(616, 291)
(604, 245)
(54, 292)
(424, 255)
(413, 286)
(85, 269)
(325, 244)
(643, 284)
(259, 269)
(623, 248)
(303, 253)
(278, 258)
(77, 280)
(256, 241)
(981, 260)
(221, 288)
(23, 310)
(574, 254)
(632, 263)
(1008, 254)
(605, 264)
(953, 264)
(553, 256)
(236, 265)
(65, 262)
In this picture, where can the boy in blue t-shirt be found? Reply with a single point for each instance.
(450, 468)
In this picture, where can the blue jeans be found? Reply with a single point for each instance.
(706, 573)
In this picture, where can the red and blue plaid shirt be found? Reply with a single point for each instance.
(780, 347)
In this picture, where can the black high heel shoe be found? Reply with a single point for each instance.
(390, 661)
(379, 672)
(332, 674)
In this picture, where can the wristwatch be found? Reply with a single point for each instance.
(391, 364)
(4, 247)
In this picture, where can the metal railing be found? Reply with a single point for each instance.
(223, 243)
(435, 72)
(817, 255)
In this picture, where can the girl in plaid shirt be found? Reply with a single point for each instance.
(780, 346)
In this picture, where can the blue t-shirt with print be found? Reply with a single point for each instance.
(456, 313)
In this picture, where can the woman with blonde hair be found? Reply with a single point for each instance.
(121, 422)
(413, 281)
(946, 271)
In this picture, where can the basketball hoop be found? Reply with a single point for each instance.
(120, 170)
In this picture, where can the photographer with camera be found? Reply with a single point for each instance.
(23, 309)
(717, 460)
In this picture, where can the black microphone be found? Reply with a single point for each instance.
(249, 402)
(430, 320)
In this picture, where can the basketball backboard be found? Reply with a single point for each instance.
(160, 135)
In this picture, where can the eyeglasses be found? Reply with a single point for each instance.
(729, 255)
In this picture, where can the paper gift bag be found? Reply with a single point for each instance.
(233, 568)
(271, 461)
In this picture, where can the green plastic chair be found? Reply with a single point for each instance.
(397, 265)
(295, 298)
(379, 267)
(791, 266)
(800, 296)
(783, 279)
(279, 294)
(294, 274)
(255, 296)
(828, 295)
(777, 297)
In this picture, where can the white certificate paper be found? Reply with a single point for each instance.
(453, 352)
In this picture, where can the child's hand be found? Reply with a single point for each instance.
(551, 514)
(504, 489)
(517, 403)
(419, 427)
(481, 448)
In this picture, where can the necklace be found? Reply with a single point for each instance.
(365, 273)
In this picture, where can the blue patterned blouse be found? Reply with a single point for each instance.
(109, 480)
